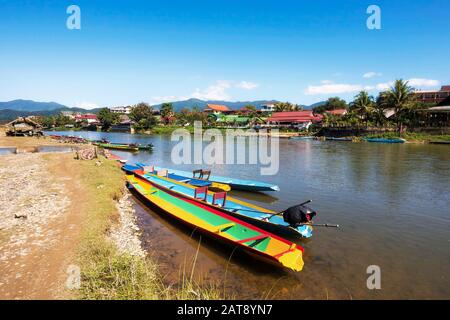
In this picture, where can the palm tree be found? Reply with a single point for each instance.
(400, 97)
(286, 106)
(363, 105)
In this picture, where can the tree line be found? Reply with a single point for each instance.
(396, 106)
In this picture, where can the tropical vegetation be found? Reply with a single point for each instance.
(395, 108)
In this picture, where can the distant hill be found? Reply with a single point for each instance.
(201, 104)
(23, 108)
(191, 103)
(30, 105)
(8, 114)
(315, 105)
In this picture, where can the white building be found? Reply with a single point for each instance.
(121, 110)
(270, 107)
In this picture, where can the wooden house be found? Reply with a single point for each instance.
(23, 127)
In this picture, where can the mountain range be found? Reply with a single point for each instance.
(192, 103)
(22, 108)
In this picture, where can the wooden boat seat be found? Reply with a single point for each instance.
(224, 227)
(162, 173)
(201, 174)
(201, 191)
(219, 196)
(148, 169)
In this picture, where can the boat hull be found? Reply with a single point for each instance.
(380, 140)
(277, 228)
(117, 147)
(278, 250)
(235, 184)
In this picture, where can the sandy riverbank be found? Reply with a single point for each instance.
(61, 215)
(42, 221)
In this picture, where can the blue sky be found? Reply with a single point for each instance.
(299, 51)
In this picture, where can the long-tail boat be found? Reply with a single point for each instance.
(235, 184)
(123, 147)
(192, 181)
(386, 140)
(261, 217)
(221, 226)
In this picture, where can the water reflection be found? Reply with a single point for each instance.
(392, 202)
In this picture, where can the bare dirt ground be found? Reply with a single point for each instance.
(41, 216)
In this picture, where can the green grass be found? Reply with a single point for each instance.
(412, 136)
(108, 274)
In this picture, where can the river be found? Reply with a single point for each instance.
(391, 201)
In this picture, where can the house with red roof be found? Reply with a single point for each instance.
(216, 108)
(433, 96)
(88, 118)
(292, 118)
(337, 112)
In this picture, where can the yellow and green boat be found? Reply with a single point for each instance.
(221, 226)
(114, 146)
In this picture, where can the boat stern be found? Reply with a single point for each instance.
(293, 259)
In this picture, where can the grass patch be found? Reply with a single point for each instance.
(412, 136)
(108, 274)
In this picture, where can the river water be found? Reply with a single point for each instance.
(391, 201)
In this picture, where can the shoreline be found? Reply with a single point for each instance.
(411, 138)
(67, 215)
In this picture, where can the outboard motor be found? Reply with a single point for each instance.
(299, 214)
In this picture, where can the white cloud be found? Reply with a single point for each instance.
(161, 99)
(333, 88)
(372, 74)
(86, 105)
(326, 82)
(415, 82)
(247, 85)
(216, 91)
(384, 85)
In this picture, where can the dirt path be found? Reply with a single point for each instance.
(41, 218)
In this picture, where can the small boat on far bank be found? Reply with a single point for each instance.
(302, 138)
(440, 142)
(145, 146)
(123, 147)
(385, 140)
(339, 139)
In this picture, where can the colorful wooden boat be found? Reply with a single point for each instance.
(261, 217)
(191, 181)
(302, 138)
(338, 139)
(219, 225)
(123, 147)
(385, 140)
(145, 146)
(235, 184)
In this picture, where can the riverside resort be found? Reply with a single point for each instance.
(224, 151)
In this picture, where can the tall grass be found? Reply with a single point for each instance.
(412, 136)
(108, 274)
